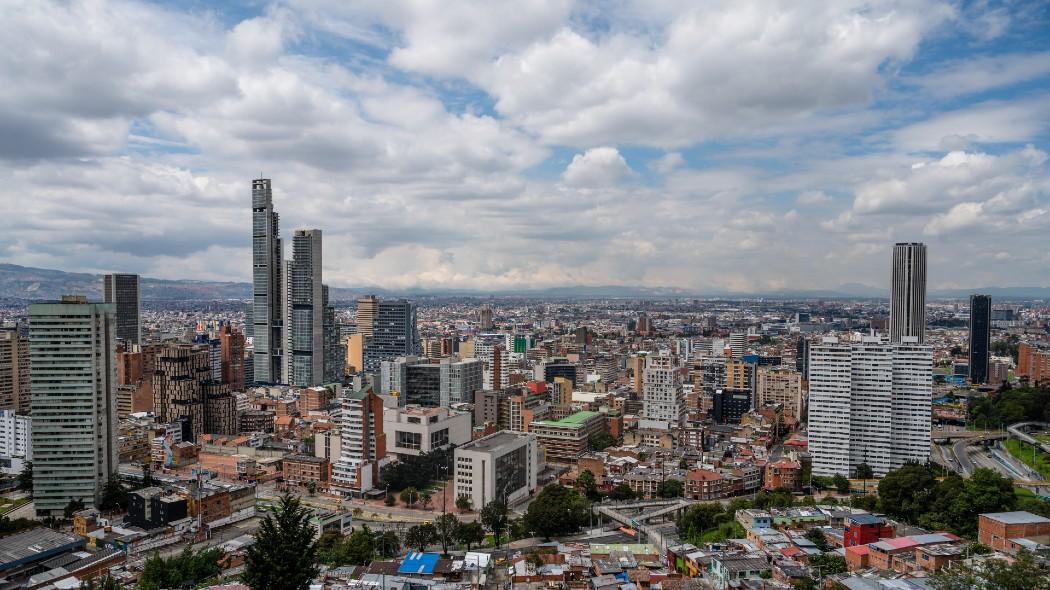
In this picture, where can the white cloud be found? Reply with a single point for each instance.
(987, 123)
(601, 166)
(667, 163)
(809, 198)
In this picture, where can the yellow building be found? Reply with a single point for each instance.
(355, 352)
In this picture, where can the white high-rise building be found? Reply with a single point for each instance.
(908, 292)
(73, 379)
(662, 395)
(362, 449)
(497, 362)
(16, 444)
(869, 402)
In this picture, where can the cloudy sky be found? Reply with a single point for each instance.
(717, 145)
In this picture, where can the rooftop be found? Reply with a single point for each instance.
(577, 420)
(1019, 517)
(35, 545)
(494, 441)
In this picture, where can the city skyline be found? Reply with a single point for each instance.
(437, 142)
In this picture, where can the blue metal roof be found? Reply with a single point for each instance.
(418, 563)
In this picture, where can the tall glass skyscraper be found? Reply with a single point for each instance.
(980, 336)
(394, 333)
(73, 379)
(267, 312)
(908, 292)
(306, 300)
(122, 290)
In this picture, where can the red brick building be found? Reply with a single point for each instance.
(704, 484)
(998, 529)
(862, 529)
(784, 473)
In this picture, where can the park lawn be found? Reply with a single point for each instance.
(1029, 455)
(727, 530)
(8, 505)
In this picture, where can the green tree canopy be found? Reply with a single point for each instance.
(864, 471)
(284, 553)
(471, 533)
(188, 567)
(670, 488)
(494, 517)
(557, 510)
(421, 536)
(994, 574)
(447, 526)
(906, 493)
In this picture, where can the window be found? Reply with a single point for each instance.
(409, 440)
(439, 438)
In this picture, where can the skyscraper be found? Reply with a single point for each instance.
(394, 333)
(334, 360)
(122, 290)
(485, 318)
(267, 307)
(363, 443)
(74, 385)
(306, 299)
(14, 370)
(367, 307)
(980, 336)
(908, 292)
(869, 402)
(232, 343)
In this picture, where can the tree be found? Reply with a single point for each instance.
(106, 582)
(841, 483)
(494, 517)
(25, 478)
(864, 471)
(683, 464)
(447, 526)
(187, 569)
(359, 547)
(471, 533)
(463, 503)
(670, 488)
(311, 487)
(906, 493)
(114, 494)
(389, 500)
(601, 440)
(420, 535)
(994, 574)
(587, 484)
(699, 518)
(73, 507)
(284, 551)
(829, 564)
(409, 496)
(817, 537)
(556, 511)
(330, 548)
(426, 498)
(622, 491)
(388, 544)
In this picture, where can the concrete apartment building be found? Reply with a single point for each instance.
(362, 444)
(501, 465)
(14, 370)
(413, 430)
(565, 440)
(74, 383)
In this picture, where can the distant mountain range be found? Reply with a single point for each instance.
(21, 283)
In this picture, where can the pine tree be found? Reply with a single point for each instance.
(284, 552)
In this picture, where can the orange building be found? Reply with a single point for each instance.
(999, 530)
(1033, 363)
(784, 473)
(704, 484)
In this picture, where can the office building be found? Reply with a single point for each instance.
(730, 404)
(73, 382)
(556, 367)
(355, 353)
(412, 430)
(495, 359)
(122, 290)
(304, 328)
(183, 389)
(231, 344)
(869, 402)
(422, 382)
(908, 292)
(738, 344)
(362, 444)
(501, 465)
(267, 284)
(980, 337)
(334, 347)
(663, 398)
(485, 318)
(394, 333)
(367, 309)
(638, 374)
(565, 440)
(802, 357)
(16, 442)
(14, 370)
(779, 385)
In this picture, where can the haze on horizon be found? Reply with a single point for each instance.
(715, 146)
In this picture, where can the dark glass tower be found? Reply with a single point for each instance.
(980, 336)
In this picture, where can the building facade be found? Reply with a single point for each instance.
(413, 430)
(565, 440)
(980, 337)
(267, 279)
(304, 325)
(503, 465)
(394, 333)
(122, 290)
(869, 402)
(908, 292)
(363, 443)
(14, 370)
(73, 382)
(663, 398)
(16, 442)
(779, 385)
(183, 388)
